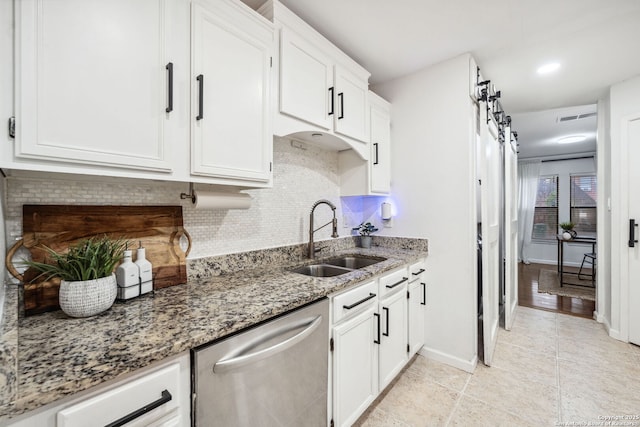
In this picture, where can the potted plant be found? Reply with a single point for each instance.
(88, 285)
(568, 231)
(364, 230)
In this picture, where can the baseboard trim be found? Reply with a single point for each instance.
(553, 262)
(456, 362)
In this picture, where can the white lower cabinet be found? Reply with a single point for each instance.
(355, 366)
(369, 343)
(393, 340)
(417, 290)
(155, 396)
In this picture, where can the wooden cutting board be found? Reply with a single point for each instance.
(158, 228)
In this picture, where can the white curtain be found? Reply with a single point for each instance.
(528, 173)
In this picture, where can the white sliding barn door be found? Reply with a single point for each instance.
(491, 175)
(631, 139)
(511, 229)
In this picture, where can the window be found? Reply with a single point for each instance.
(583, 203)
(545, 219)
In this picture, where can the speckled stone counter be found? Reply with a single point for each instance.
(58, 356)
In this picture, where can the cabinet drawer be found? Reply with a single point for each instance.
(354, 301)
(161, 387)
(416, 269)
(390, 282)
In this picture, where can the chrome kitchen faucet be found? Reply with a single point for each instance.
(334, 221)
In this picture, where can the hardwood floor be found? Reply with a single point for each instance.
(528, 295)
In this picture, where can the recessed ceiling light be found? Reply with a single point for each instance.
(571, 139)
(549, 68)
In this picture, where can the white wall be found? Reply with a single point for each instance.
(546, 252)
(433, 187)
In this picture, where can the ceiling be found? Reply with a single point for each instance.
(593, 40)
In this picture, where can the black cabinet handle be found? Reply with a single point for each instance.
(341, 96)
(331, 100)
(404, 279)
(386, 310)
(166, 396)
(375, 145)
(357, 303)
(378, 319)
(200, 79)
(422, 270)
(632, 233)
(424, 293)
(169, 68)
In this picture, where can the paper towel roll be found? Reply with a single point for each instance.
(220, 200)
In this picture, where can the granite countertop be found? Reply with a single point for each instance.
(51, 355)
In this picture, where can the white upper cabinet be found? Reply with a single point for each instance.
(321, 90)
(231, 134)
(351, 115)
(380, 162)
(306, 81)
(94, 81)
(373, 177)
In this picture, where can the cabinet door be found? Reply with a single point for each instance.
(351, 105)
(355, 367)
(380, 160)
(92, 82)
(231, 54)
(393, 346)
(306, 81)
(417, 314)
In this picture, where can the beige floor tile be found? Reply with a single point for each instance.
(419, 402)
(439, 373)
(532, 365)
(473, 412)
(378, 418)
(597, 352)
(530, 339)
(513, 392)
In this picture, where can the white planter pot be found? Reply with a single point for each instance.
(365, 242)
(88, 298)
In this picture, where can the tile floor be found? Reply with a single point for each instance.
(551, 369)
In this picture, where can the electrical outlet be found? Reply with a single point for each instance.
(387, 223)
(345, 221)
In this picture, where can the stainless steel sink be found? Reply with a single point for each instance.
(337, 266)
(321, 270)
(354, 261)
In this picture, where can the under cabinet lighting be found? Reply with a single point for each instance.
(571, 139)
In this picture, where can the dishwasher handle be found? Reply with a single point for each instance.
(226, 365)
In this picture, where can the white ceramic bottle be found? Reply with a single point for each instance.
(127, 277)
(145, 271)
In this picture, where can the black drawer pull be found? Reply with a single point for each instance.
(386, 310)
(169, 68)
(341, 96)
(331, 100)
(404, 279)
(422, 270)
(357, 303)
(378, 319)
(166, 396)
(424, 293)
(200, 79)
(375, 145)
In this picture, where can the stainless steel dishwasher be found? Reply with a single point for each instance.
(274, 374)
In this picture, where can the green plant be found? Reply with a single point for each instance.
(365, 229)
(87, 260)
(566, 226)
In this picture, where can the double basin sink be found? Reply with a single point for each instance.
(337, 266)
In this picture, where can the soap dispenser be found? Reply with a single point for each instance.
(127, 278)
(145, 271)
